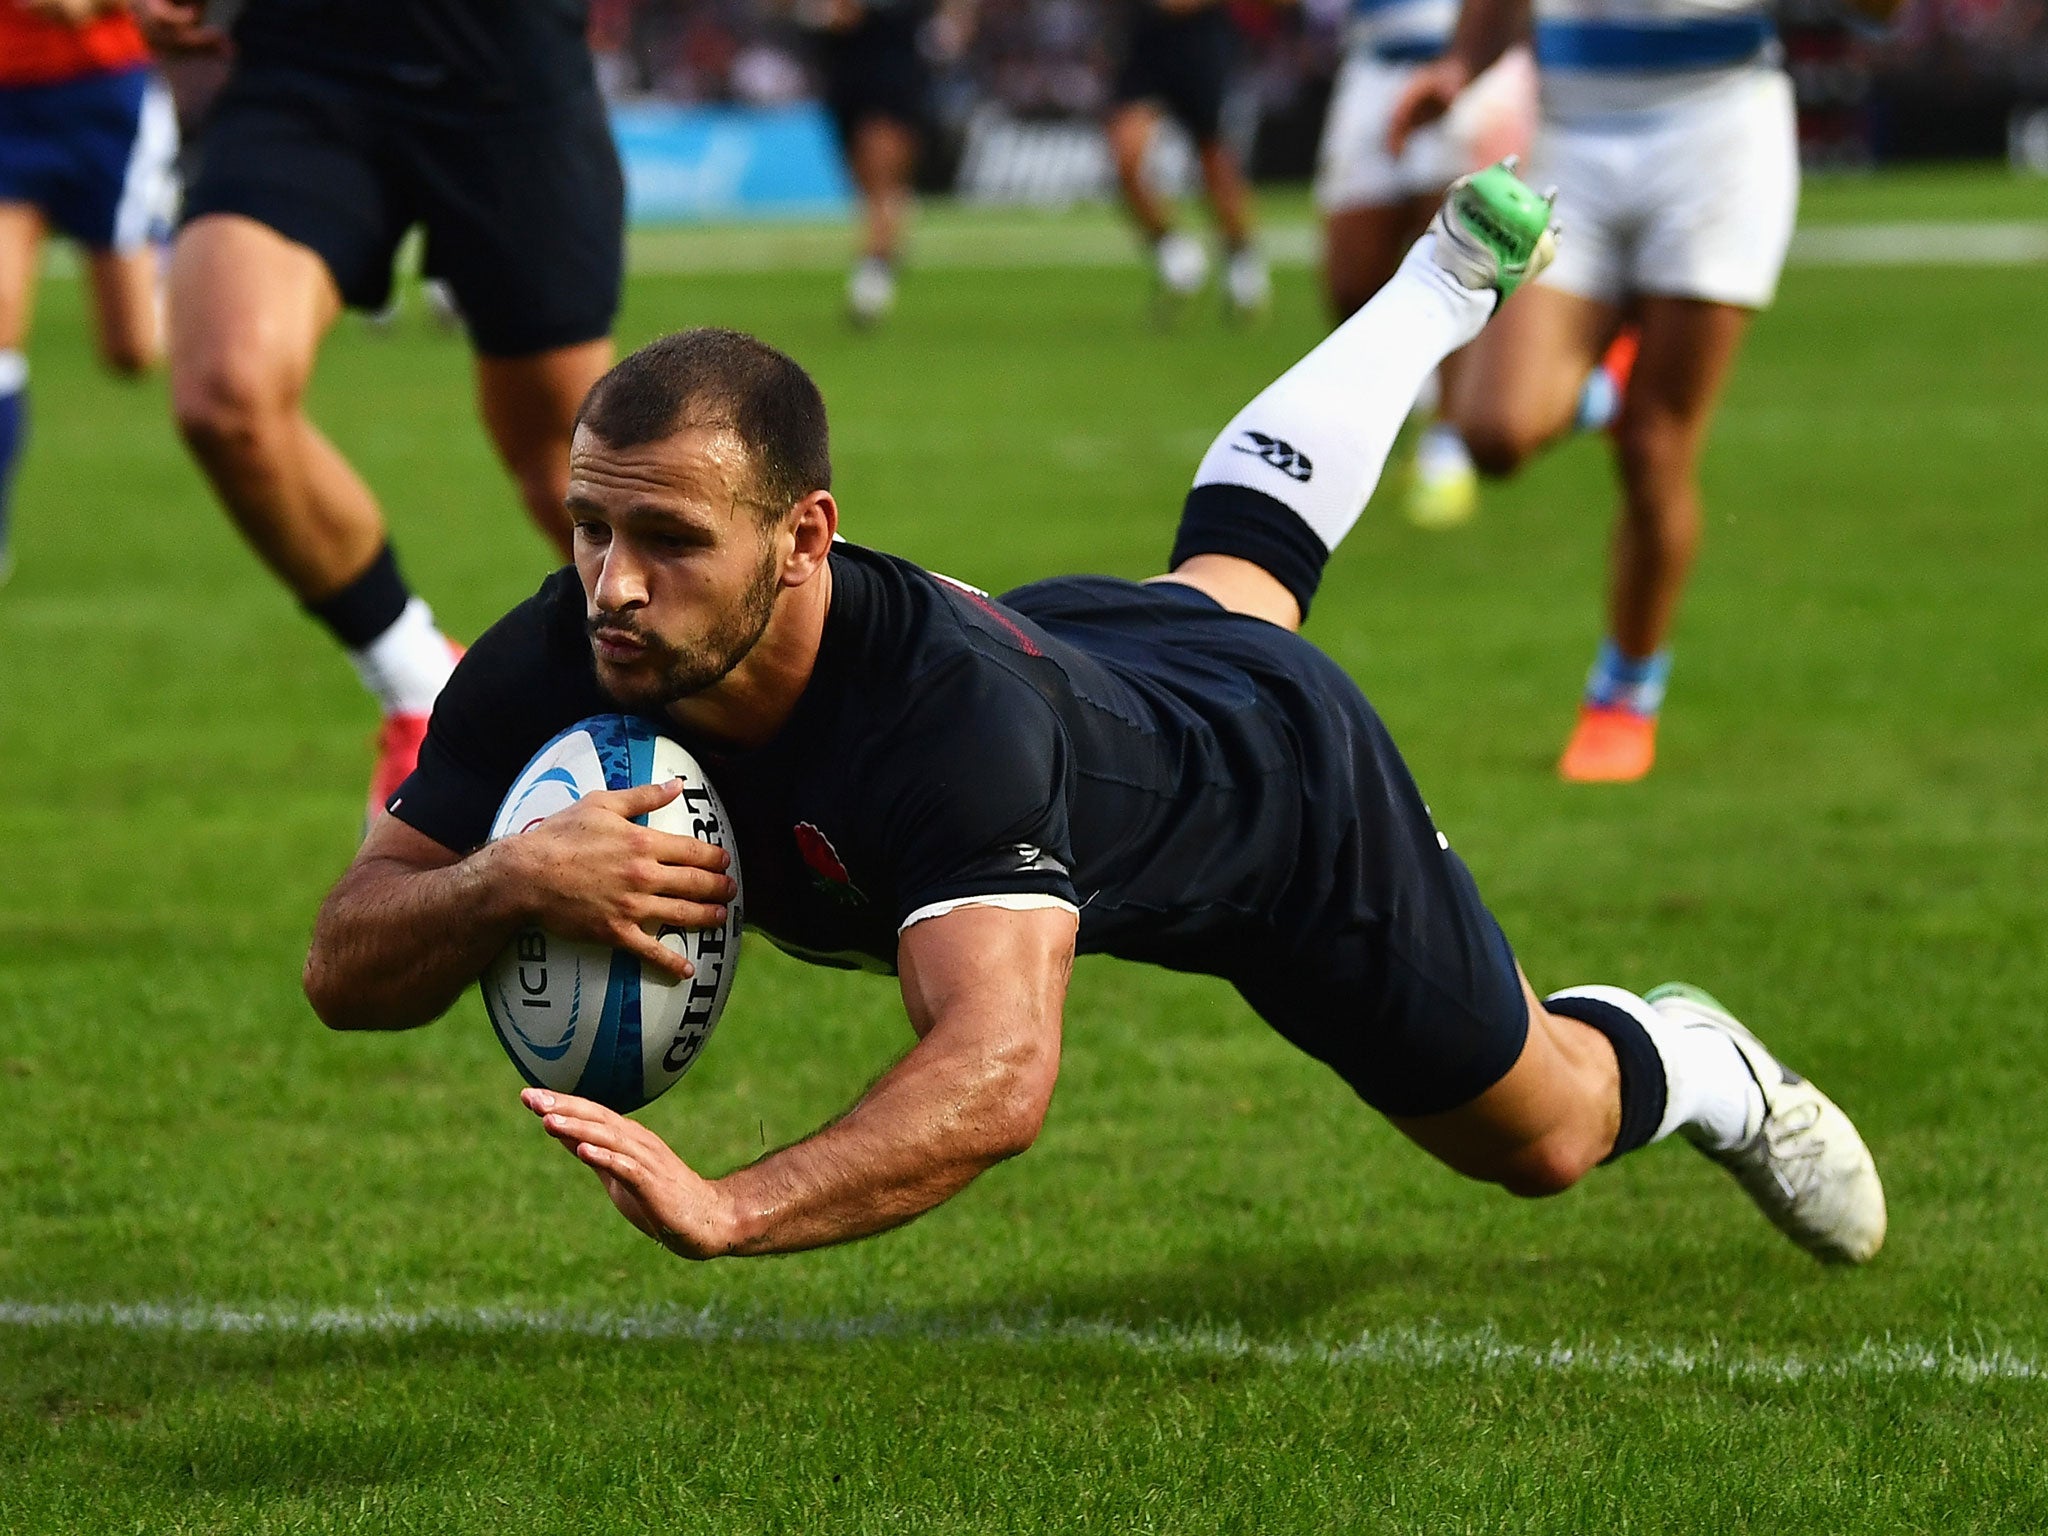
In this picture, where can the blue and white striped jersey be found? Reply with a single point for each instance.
(1603, 58)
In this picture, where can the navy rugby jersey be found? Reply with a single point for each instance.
(1191, 780)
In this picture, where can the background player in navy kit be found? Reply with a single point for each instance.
(968, 791)
(878, 89)
(344, 123)
(1176, 57)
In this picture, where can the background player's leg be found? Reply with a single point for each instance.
(529, 405)
(21, 242)
(1521, 390)
(1247, 281)
(247, 311)
(1287, 479)
(127, 309)
(883, 156)
(1686, 352)
(1179, 264)
(1364, 244)
(1230, 195)
(1130, 136)
(1682, 363)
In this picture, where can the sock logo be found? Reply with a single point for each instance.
(1283, 456)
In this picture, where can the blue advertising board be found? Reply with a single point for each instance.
(688, 164)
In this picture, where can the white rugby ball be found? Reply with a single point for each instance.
(585, 1018)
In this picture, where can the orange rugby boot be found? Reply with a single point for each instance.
(1609, 746)
(1620, 362)
(398, 751)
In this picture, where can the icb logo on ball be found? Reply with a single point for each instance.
(585, 1018)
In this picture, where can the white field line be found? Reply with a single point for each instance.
(1022, 242)
(1484, 1350)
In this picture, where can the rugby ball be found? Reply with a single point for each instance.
(585, 1018)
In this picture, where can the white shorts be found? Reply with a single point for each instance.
(1694, 201)
(1492, 118)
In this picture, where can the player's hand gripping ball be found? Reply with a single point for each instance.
(585, 1018)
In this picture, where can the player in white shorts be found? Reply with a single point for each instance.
(1668, 130)
(1375, 203)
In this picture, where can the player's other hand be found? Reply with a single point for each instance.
(178, 26)
(591, 872)
(653, 1188)
(1426, 98)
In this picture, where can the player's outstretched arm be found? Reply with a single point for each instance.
(411, 923)
(1486, 29)
(984, 989)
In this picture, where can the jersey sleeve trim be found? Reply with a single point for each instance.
(1016, 901)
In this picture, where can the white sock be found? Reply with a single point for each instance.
(1317, 438)
(407, 664)
(1709, 1092)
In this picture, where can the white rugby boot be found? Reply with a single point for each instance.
(1804, 1164)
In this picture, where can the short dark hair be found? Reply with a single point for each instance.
(718, 378)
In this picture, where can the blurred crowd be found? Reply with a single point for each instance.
(1941, 79)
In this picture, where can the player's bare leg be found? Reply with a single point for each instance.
(1247, 281)
(1686, 353)
(529, 405)
(1545, 1125)
(127, 309)
(1521, 390)
(21, 242)
(1129, 131)
(883, 157)
(248, 309)
(1180, 266)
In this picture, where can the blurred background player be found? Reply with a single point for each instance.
(1177, 58)
(343, 124)
(878, 89)
(87, 141)
(1669, 131)
(1375, 203)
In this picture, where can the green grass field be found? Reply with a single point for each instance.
(257, 1277)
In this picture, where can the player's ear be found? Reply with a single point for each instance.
(812, 524)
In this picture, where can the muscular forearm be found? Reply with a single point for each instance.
(394, 946)
(919, 1136)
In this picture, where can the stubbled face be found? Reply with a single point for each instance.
(679, 575)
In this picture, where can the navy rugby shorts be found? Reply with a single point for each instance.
(1380, 960)
(524, 209)
(1182, 62)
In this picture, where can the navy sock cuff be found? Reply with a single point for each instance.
(367, 606)
(1642, 1069)
(1237, 520)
